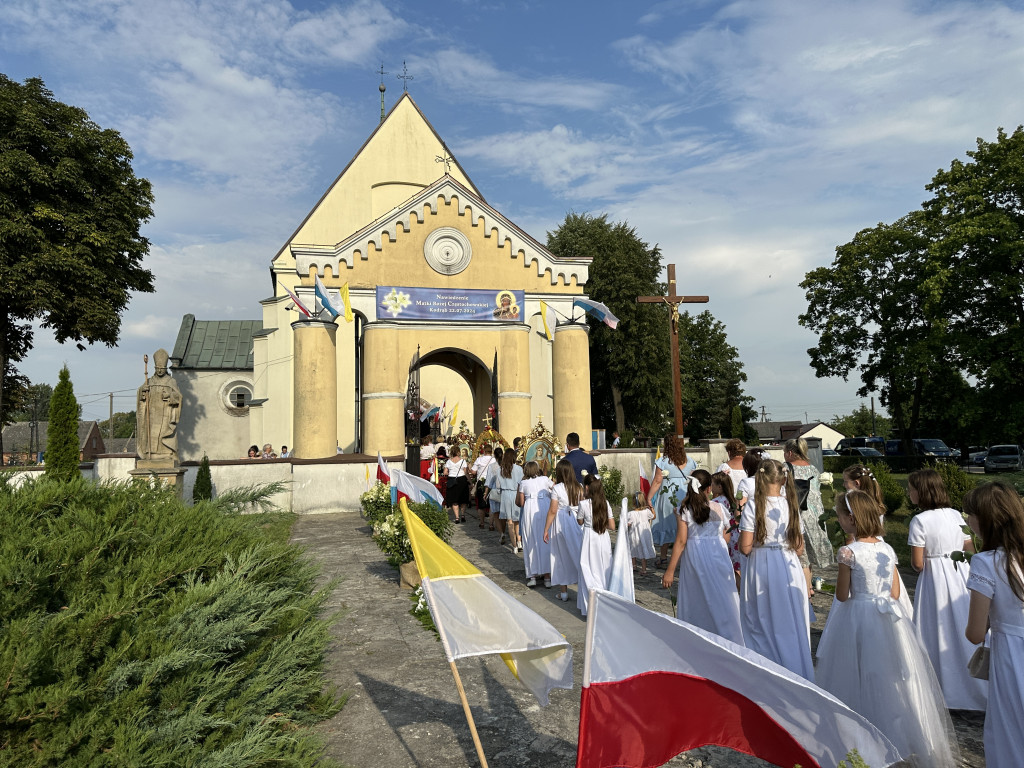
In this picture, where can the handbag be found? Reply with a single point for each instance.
(803, 489)
(978, 664)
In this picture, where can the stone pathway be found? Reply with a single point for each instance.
(403, 707)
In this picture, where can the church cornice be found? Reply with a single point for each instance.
(371, 239)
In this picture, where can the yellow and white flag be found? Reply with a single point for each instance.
(547, 316)
(454, 421)
(347, 301)
(475, 617)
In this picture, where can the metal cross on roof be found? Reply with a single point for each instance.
(405, 77)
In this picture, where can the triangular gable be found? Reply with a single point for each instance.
(398, 158)
(367, 243)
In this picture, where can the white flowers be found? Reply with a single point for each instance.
(825, 478)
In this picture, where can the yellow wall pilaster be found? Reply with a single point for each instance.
(315, 371)
(385, 378)
(514, 396)
(570, 364)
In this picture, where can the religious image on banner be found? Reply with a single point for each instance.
(449, 304)
(507, 309)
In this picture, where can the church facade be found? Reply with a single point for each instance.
(444, 290)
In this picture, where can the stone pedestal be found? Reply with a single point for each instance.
(173, 477)
(409, 575)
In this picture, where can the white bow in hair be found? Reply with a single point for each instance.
(694, 484)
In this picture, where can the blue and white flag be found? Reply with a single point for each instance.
(325, 300)
(598, 310)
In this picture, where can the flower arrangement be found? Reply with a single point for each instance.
(390, 534)
(376, 502)
(825, 478)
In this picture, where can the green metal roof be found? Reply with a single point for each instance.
(215, 344)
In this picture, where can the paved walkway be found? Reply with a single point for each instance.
(403, 707)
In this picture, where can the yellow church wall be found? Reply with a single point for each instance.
(540, 372)
(315, 365)
(570, 364)
(438, 384)
(402, 150)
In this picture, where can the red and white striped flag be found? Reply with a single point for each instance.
(297, 302)
(645, 483)
(654, 686)
(383, 473)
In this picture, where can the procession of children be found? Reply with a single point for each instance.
(743, 541)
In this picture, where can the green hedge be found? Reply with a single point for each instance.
(137, 630)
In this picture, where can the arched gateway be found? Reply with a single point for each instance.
(428, 266)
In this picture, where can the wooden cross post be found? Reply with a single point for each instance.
(673, 300)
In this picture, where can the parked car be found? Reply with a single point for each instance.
(829, 452)
(976, 455)
(1004, 458)
(925, 446)
(877, 443)
(869, 453)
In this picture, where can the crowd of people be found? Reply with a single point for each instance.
(743, 543)
(267, 452)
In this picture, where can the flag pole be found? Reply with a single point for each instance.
(469, 716)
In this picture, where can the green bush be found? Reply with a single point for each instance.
(62, 452)
(392, 538)
(611, 479)
(958, 482)
(376, 503)
(892, 492)
(138, 630)
(203, 488)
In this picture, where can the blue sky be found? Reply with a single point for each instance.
(747, 139)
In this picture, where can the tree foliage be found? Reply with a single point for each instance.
(861, 422)
(138, 630)
(629, 367)
(62, 454)
(124, 425)
(34, 404)
(71, 209)
(712, 378)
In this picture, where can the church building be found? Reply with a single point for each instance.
(444, 291)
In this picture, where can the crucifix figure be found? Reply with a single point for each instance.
(674, 300)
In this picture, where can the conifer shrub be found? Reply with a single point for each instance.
(203, 488)
(138, 630)
(62, 431)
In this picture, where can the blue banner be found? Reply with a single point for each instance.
(401, 303)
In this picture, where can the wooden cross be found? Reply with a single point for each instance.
(673, 300)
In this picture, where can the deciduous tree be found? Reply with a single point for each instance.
(71, 209)
(629, 366)
(712, 377)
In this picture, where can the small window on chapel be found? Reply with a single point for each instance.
(240, 397)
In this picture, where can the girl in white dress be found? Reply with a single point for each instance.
(638, 529)
(596, 552)
(534, 497)
(773, 593)
(995, 513)
(721, 491)
(860, 478)
(941, 600)
(563, 529)
(870, 656)
(707, 596)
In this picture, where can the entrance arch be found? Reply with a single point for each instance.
(459, 377)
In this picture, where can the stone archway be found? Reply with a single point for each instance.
(459, 377)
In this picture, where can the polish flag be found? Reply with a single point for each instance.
(383, 473)
(645, 482)
(654, 686)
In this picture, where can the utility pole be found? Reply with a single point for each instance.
(110, 424)
(873, 430)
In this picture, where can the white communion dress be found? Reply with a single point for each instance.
(595, 557)
(870, 657)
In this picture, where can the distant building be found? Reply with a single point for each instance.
(125, 445)
(772, 431)
(19, 442)
(829, 437)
